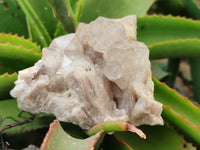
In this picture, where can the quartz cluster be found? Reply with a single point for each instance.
(100, 73)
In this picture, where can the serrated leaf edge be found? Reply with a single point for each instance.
(21, 46)
(170, 16)
(7, 74)
(174, 41)
(21, 38)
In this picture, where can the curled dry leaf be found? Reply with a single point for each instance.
(98, 74)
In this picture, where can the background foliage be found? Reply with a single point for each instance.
(27, 26)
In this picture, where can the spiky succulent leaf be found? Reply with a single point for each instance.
(79, 8)
(18, 41)
(6, 84)
(113, 142)
(114, 9)
(178, 110)
(195, 73)
(8, 108)
(12, 18)
(174, 7)
(154, 29)
(158, 137)
(14, 58)
(59, 139)
(45, 15)
(61, 11)
(18, 53)
(43, 36)
(192, 8)
(59, 30)
(188, 48)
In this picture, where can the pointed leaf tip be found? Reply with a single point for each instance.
(113, 126)
(132, 128)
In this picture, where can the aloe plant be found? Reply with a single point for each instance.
(168, 37)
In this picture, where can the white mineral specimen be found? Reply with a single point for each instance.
(100, 73)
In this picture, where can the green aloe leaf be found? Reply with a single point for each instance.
(12, 18)
(45, 14)
(178, 110)
(19, 53)
(74, 130)
(18, 41)
(71, 13)
(114, 8)
(59, 139)
(174, 7)
(113, 142)
(79, 8)
(21, 141)
(113, 126)
(154, 29)
(64, 12)
(172, 69)
(15, 53)
(8, 108)
(195, 72)
(6, 84)
(59, 30)
(11, 66)
(158, 137)
(14, 58)
(192, 8)
(36, 23)
(73, 4)
(188, 48)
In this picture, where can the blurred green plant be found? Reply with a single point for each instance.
(168, 37)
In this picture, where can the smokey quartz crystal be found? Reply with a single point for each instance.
(100, 73)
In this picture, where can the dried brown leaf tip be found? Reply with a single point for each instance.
(100, 73)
